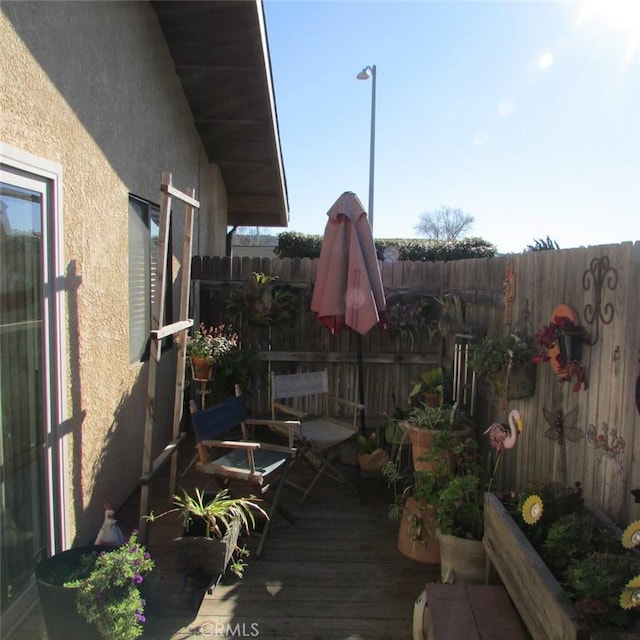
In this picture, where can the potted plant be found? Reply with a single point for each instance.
(459, 515)
(423, 421)
(413, 508)
(506, 363)
(560, 342)
(208, 346)
(428, 388)
(263, 303)
(371, 455)
(211, 527)
(94, 592)
(459, 503)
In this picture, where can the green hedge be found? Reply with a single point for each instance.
(292, 244)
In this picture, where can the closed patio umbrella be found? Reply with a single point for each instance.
(348, 288)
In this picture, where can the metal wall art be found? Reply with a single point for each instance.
(606, 443)
(561, 428)
(599, 275)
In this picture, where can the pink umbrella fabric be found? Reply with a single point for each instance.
(348, 289)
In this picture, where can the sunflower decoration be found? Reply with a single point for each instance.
(532, 509)
(630, 597)
(631, 535)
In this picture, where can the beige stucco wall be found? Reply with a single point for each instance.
(91, 86)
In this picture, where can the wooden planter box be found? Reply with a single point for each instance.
(196, 554)
(541, 602)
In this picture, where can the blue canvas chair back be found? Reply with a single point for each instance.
(211, 422)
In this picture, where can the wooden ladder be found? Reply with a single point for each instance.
(159, 330)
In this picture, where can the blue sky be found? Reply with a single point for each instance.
(525, 115)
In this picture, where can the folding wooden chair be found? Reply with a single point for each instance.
(261, 467)
(326, 421)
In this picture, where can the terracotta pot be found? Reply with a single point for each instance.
(201, 368)
(373, 462)
(421, 443)
(417, 537)
(433, 399)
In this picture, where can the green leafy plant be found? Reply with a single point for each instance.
(262, 303)
(543, 244)
(219, 514)
(572, 537)
(368, 443)
(502, 360)
(599, 579)
(109, 589)
(430, 383)
(242, 367)
(424, 416)
(584, 551)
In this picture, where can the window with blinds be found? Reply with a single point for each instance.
(144, 231)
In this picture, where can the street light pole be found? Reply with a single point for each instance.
(365, 74)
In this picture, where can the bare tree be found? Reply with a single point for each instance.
(445, 223)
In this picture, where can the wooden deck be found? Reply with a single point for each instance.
(334, 574)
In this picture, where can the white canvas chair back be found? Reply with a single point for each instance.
(300, 384)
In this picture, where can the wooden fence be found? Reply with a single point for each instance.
(601, 283)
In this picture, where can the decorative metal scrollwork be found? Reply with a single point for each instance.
(601, 274)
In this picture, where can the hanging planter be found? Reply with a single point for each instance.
(561, 343)
(517, 382)
(570, 343)
(506, 363)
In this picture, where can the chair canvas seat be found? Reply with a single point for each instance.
(265, 462)
(318, 436)
(324, 433)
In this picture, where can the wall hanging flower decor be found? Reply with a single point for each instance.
(560, 342)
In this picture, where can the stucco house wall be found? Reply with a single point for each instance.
(91, 86)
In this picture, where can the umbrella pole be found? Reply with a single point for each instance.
(361, 383)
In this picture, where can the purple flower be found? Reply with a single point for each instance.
(140, 617)
(147, 555)
(133, 549)
(137, 561)
(137, 578)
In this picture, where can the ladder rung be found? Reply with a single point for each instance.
(172, 191)
(171, 329)
(162, 458)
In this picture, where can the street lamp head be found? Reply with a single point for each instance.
(365, 74)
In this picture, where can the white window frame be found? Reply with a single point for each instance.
(26, 170)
